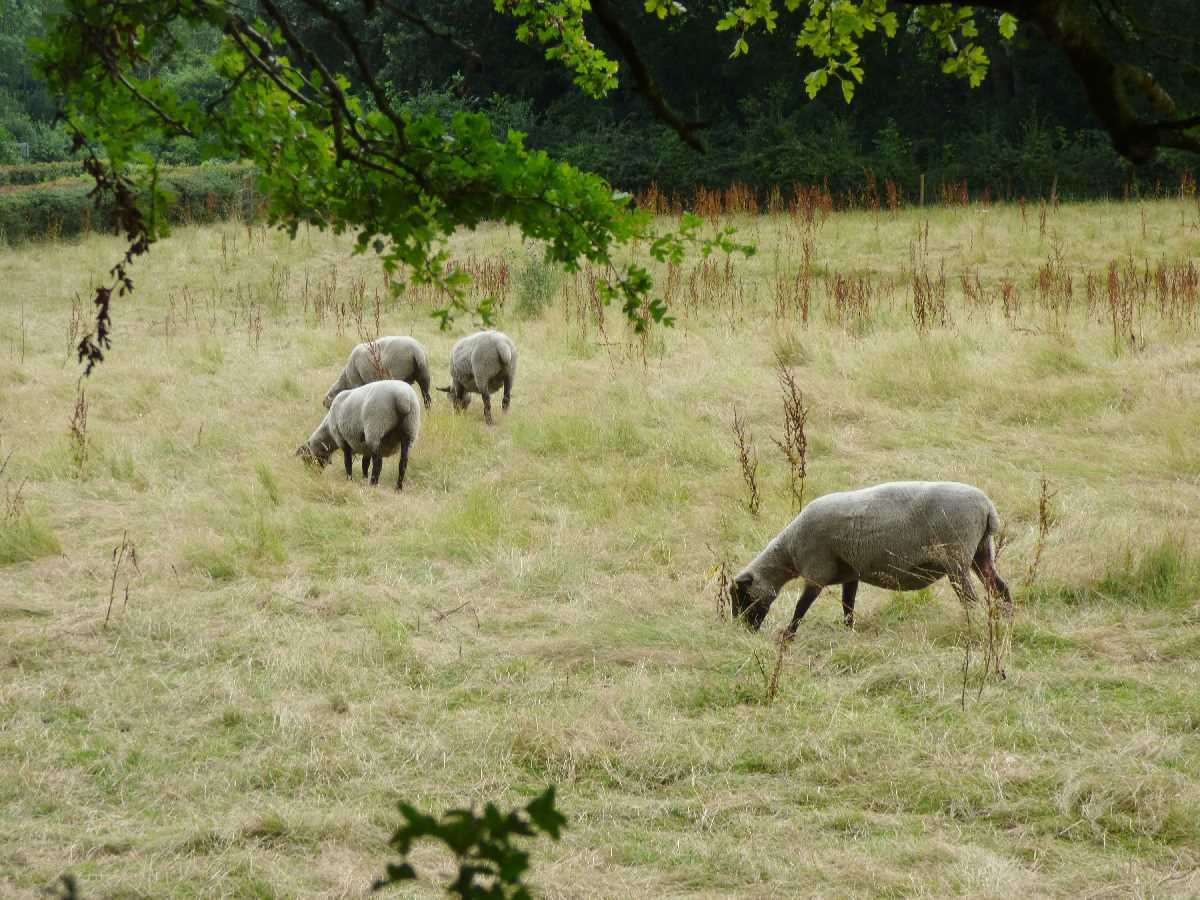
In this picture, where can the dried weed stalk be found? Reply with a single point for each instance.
(77, 429)
(75, 324)
(1046, 521)
(928, 304)
(723, 579)
(794, 444)
(771, 679)
(748, 458)
(374, 351)
(125, 552)
(14, 504)
(997, 632)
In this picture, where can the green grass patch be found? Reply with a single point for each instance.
(25, 537)
(1165, 576)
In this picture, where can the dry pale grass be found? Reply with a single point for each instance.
(297, 652)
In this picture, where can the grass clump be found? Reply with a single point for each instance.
(537, 284)
(1165, 576)
(25, 537)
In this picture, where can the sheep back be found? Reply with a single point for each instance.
(403, 358)
(900, 535)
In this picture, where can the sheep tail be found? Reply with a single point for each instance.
(993, 521)
(505, 352)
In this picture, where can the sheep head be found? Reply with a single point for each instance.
(320, 455)
(750, 600)
(460, 398)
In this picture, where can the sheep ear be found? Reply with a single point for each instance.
(444, 390)
(744, 580)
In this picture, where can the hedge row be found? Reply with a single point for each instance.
(201, 195)
(37, 173)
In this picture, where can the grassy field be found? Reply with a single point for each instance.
(290, 653)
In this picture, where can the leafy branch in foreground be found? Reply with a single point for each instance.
(328, 152)
(489, 862)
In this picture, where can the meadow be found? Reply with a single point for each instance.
(220, 669)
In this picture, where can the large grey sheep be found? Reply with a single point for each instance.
(402, 358)
(375, 420)
(481, 363)
(902, 535)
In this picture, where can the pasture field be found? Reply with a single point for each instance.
(290, 653)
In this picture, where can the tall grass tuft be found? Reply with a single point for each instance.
(22, 537)
(537, 283)
(1164, 576)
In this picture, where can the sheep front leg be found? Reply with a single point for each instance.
(348, 458)
(849, 592)
(811, 592)
(376, 467)
(366, 465)
(404, 444)
(487, 408)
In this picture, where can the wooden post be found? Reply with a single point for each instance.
(922, 189)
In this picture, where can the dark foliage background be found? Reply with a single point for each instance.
(1027, 128)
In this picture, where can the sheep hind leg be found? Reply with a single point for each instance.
(984, 566)
(507, 393)
(849, 592)
(366, 465)
(348, 459)
(487, 408)
(404, 444)
(376, 467)
(811, 592)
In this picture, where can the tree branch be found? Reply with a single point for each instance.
(610, 21)
(407, 15)
(1106, 80)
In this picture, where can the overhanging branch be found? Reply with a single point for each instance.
(610, 21)
(1109, 82)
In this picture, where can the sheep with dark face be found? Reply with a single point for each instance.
(482, 363)
(399, 357)
(902, 535)
(375, 420)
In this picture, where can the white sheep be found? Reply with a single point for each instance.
(902, 535)
(374, 420)
(479, 364)
(399, 357)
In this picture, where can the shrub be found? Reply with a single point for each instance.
(201, 194)
(37, 173)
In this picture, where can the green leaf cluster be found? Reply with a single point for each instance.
(490, 864)
(402, 180)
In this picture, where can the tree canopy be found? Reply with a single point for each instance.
(311, 92)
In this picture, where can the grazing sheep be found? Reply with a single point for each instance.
(479, 364)
(402, 358)
(902, 535)
(374, 420)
